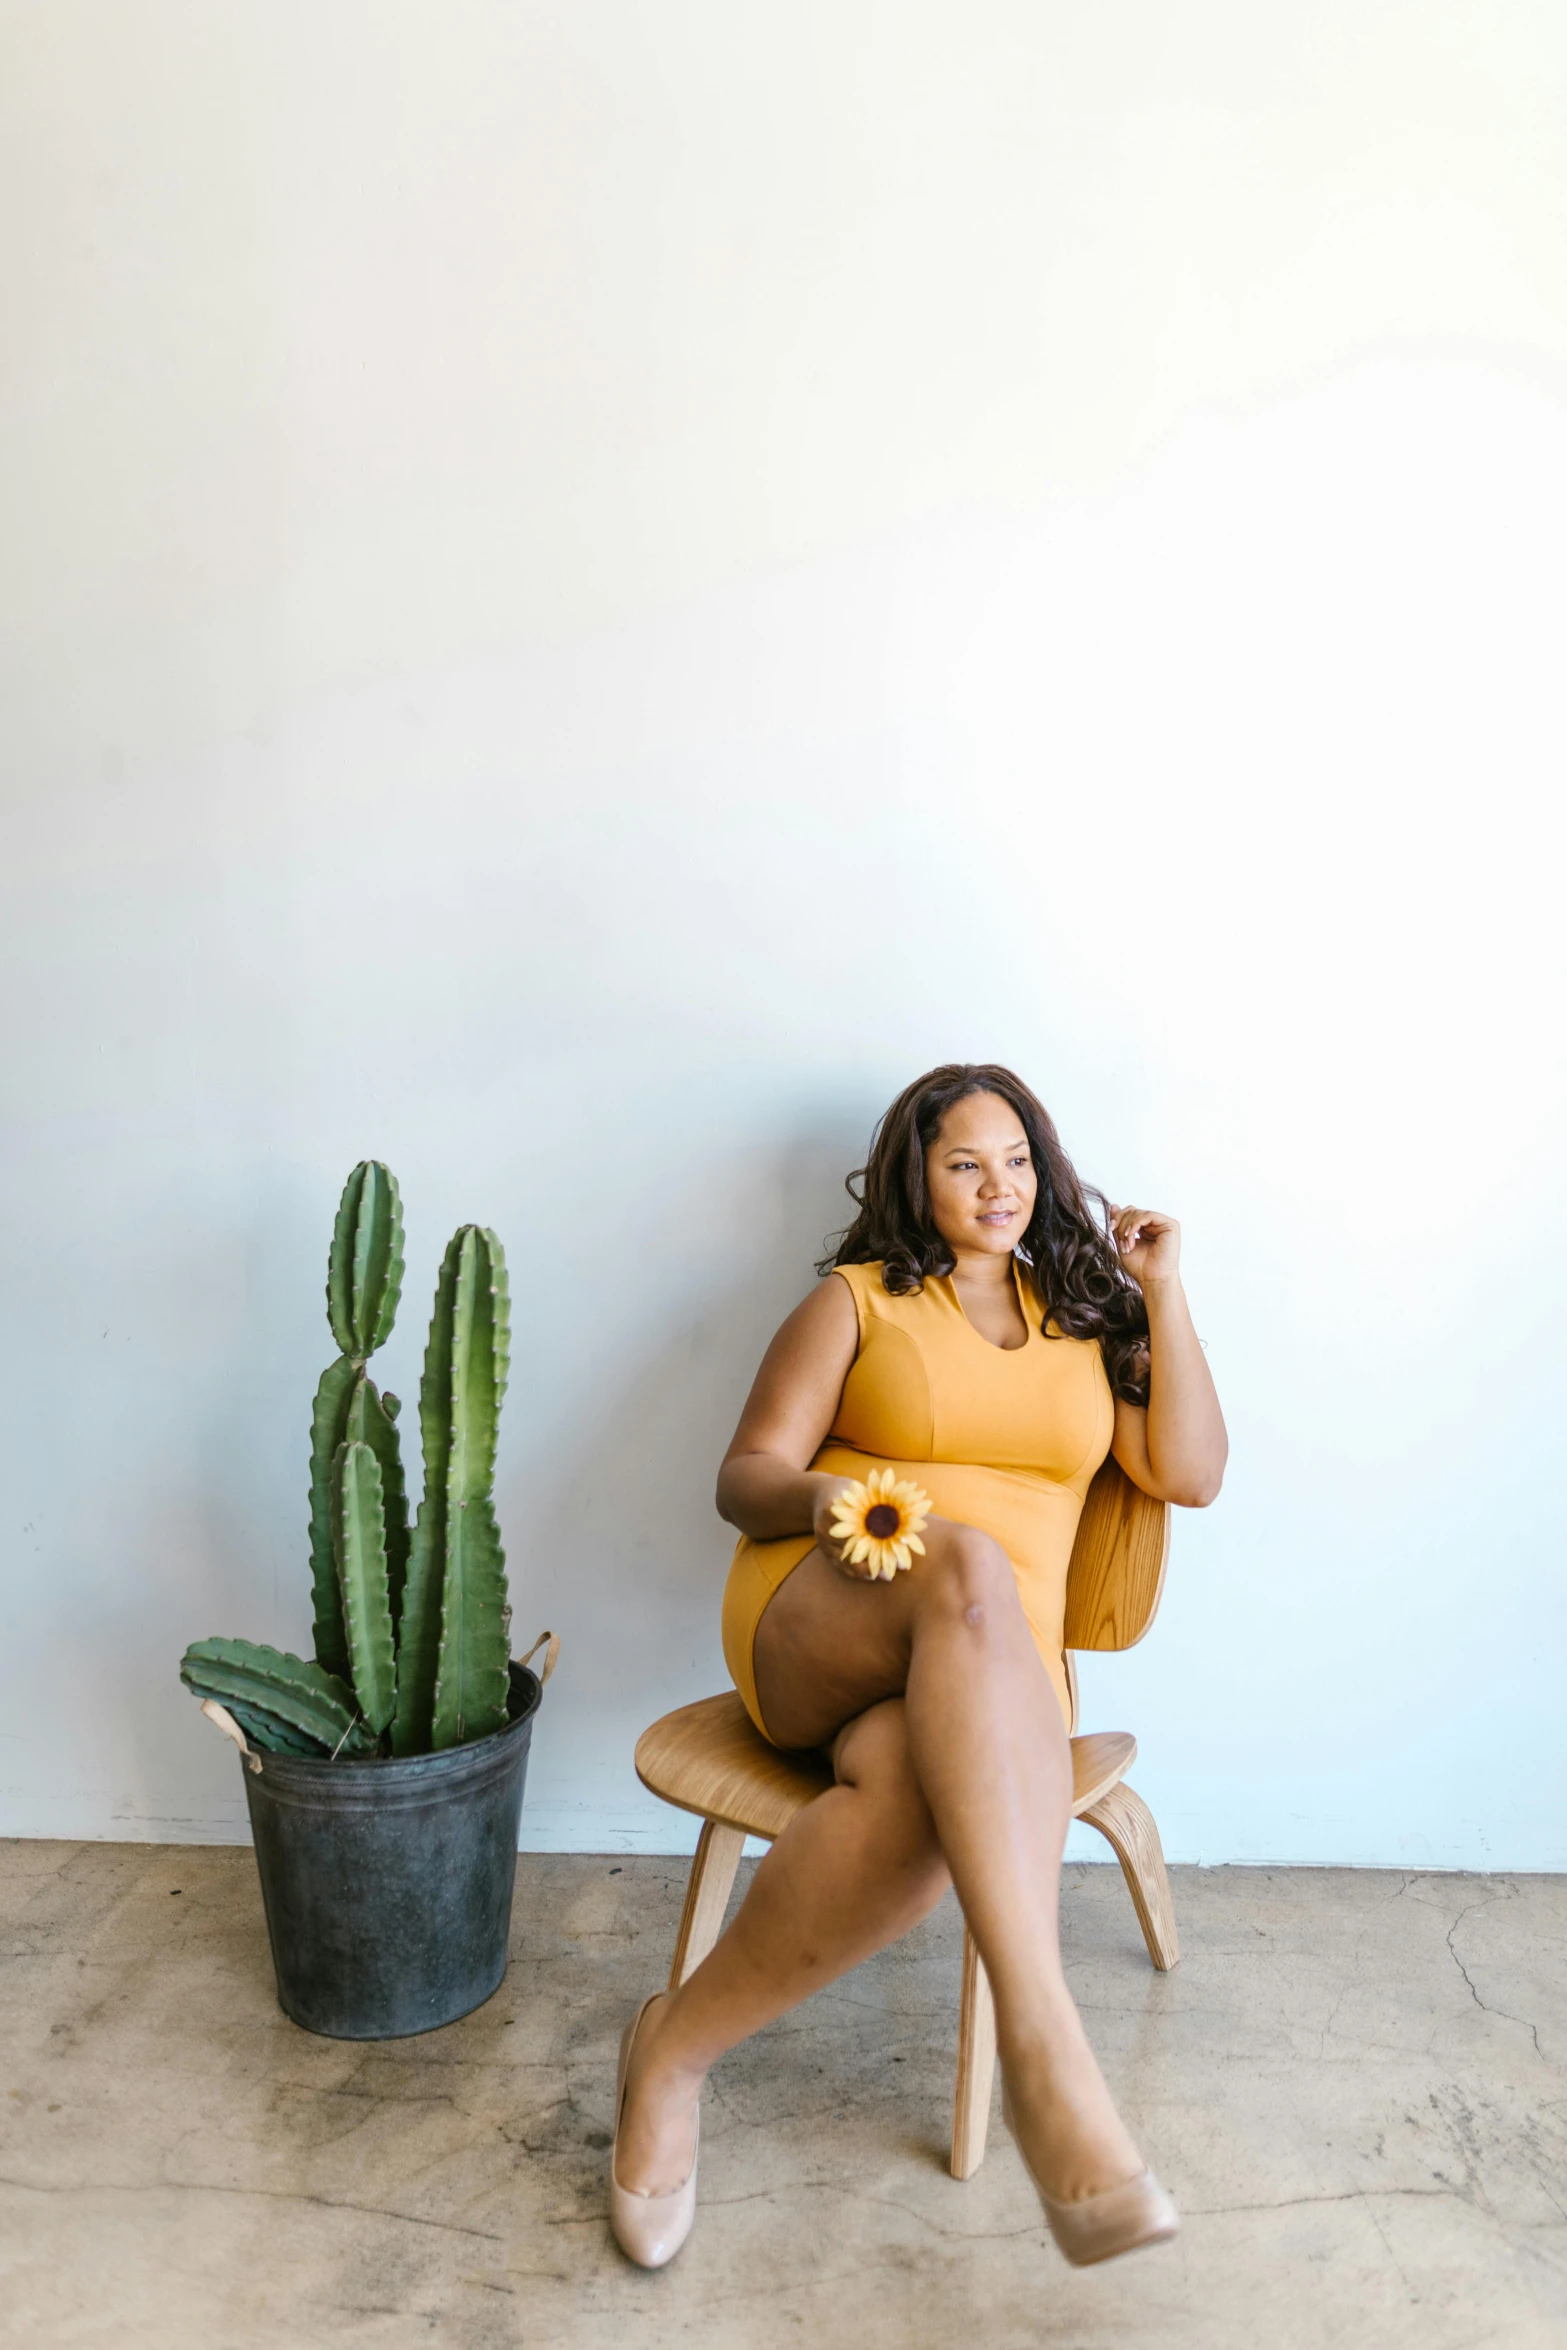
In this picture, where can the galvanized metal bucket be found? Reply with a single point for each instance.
(388, 1884)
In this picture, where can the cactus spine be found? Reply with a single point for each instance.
(411, 1631)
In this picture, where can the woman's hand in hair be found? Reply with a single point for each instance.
(1148, 1244)
(1174, 1446)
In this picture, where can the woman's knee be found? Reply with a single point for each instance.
(972, 1579)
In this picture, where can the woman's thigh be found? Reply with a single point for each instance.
(828, 1647)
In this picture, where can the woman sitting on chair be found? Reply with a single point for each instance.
(984, 1338)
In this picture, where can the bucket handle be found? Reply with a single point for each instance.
(552, 1653)
(224, 1720)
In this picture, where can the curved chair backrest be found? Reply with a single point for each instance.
(1116, 1577)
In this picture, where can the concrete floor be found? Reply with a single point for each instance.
(1355, 2083)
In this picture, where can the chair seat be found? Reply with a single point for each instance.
(710, 1758)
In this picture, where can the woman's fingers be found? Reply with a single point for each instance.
(1129, 1222)
(857, 1573)
(1145, 1240)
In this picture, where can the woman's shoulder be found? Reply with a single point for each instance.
(867, 1281)
(859, 1276)
(864, 1285)
(873, 1299)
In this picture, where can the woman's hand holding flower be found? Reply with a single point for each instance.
(872, 1530)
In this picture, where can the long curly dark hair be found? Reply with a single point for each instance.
(1067, 1250)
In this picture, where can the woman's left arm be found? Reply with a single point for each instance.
(1176, 1448)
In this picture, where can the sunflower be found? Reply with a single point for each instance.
(879, 1523)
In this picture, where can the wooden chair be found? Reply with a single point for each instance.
(709, 1759)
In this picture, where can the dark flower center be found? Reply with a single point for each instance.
(883, 1521)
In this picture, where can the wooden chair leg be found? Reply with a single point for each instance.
(708, 1887)
(1127, 1824)
(976, 2064)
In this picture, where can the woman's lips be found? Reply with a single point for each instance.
(999, 1216)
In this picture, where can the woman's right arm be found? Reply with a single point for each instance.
(766, 1487)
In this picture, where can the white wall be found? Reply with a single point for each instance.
(589, 587)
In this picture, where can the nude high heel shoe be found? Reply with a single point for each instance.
(649, 2229)
(1120, 2219)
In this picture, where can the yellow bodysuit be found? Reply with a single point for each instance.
(1006, 1439)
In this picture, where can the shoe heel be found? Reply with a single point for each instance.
(1119, 2219)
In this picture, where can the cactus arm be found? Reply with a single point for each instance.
(369, 1421)
(359, 1539)
(384, 1259)
(419, 1628)
(302, 1695)
(368, 1232)
(364, 1276)
(340, 1262)
(471, 1678)
(328, 1428)
(471, 1673)
(273, 1735)
(500, 1324)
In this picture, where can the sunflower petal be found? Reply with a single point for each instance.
(911, 1541)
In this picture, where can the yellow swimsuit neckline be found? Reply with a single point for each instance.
(1032, 1328)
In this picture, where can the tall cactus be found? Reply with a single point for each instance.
(453, 1645)
(411, 1632)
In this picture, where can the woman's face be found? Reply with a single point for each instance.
(980, 1177)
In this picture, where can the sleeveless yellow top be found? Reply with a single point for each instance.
(1006, 1439)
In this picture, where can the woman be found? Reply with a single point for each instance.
(983, 1336)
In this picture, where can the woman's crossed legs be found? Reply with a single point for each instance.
(952, 1766)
